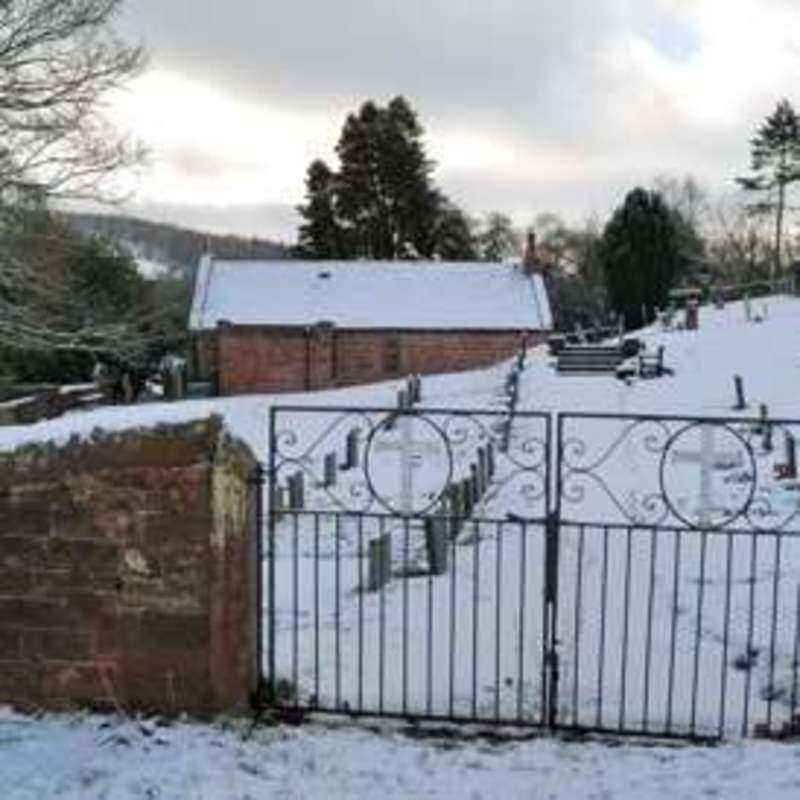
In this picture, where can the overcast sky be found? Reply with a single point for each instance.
(528, 105)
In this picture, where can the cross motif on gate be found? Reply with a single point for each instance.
(708, 459)
(411, 452)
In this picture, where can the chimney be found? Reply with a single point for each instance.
(530, 260)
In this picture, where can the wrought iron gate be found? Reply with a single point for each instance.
(638, 577)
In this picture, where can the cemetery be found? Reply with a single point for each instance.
(409, 561)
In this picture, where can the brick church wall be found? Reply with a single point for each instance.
(265, 360)
(128, 573)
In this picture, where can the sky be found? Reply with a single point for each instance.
(529, 106)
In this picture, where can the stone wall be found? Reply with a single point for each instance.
(128, 572)
(262, 359)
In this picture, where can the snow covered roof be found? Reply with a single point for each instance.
(369, 294)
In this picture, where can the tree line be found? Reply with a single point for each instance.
(381, 202)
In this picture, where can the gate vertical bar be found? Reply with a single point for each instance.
(552, 533)
(271, 494)
(258, 487)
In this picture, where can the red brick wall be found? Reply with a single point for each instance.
(128, 573)
(254, 359)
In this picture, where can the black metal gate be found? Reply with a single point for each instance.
(679, 565)
(638, 577)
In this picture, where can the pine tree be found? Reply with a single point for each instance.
(320, 236)
(640, 252)
(775, 164)
(381, 203)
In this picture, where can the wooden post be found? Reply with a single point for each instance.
(738, 386)
(490, 462)
(402, 399)
(436, 543)
(380, 562)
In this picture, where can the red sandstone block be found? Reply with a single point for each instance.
(55, 644)
(27, 612)
(10, 643)
(20, 682)
(163, 630)
(15, 580)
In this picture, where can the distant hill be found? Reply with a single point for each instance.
(177, 249)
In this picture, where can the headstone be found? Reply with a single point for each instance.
(410, 452)
(475, 484)
(455, 508)
(329, 470)
(380, 562)
(483, 470)
(351, 450)
(766, 438)
(512, 381)
(738, 386)
(466, 497)
(436, 542)
(790, 456)
(297, 493)
(709, 459)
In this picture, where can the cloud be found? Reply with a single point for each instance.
(524, 103)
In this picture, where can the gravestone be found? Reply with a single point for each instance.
(297, 493)
(483, 470)
(475, 481)
(738, 386)
(411, 451)
(455, 508)
(380, 562)
(790, 456)
(329, 470)
(351, 459)
(436, 541)
(708, 459)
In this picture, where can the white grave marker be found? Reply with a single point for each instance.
(709, 460)
(411, 452)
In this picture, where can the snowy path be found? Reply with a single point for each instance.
(91, 758)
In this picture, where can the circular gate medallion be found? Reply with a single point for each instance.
(408, 464)
(707, 475)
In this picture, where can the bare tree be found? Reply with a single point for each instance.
(59, 60)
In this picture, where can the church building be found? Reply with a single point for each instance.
(295, 326)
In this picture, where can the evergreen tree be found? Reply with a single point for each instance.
(320, 236)
(775, 164)
(453, 238)
(498, 241)
(381, 203)
(641, 256)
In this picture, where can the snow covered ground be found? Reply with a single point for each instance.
(86, 757)
(665, 598)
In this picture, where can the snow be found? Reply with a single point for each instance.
(368, 294)
(316, 762)
(86, 757)
(150, 269)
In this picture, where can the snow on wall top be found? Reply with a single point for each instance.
(368, 294)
